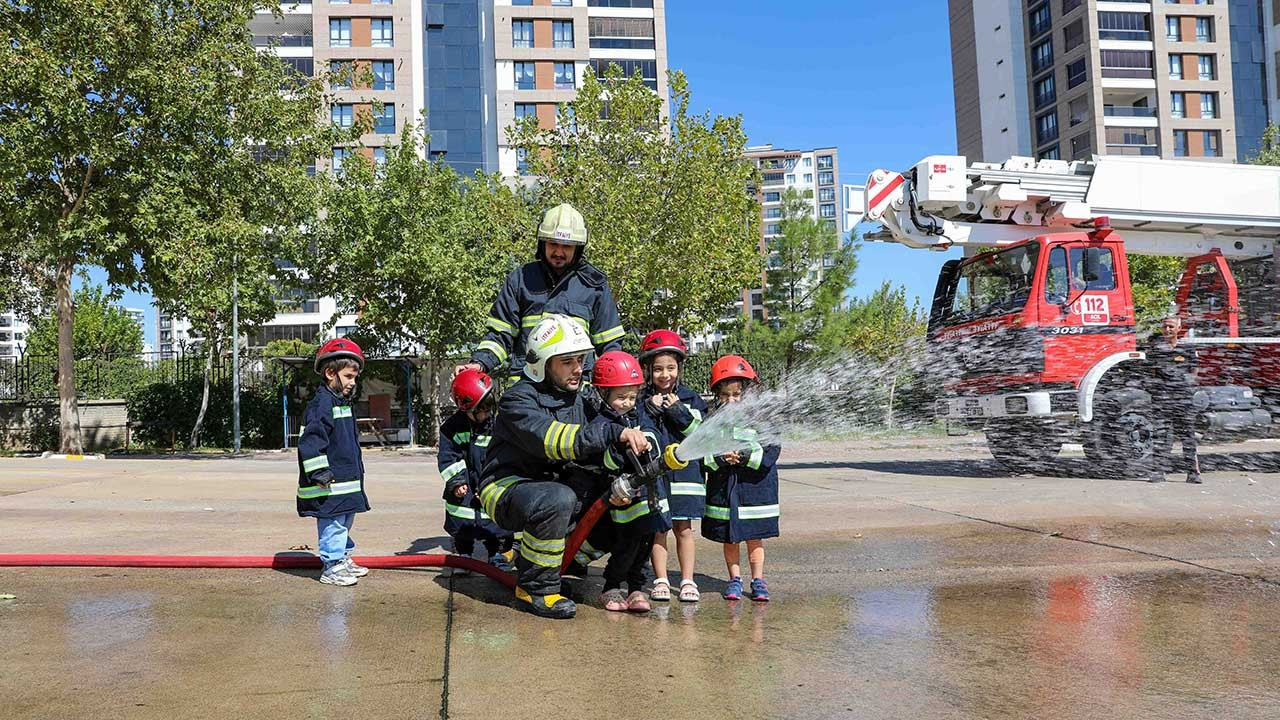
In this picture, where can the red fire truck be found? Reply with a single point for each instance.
(1032, 336)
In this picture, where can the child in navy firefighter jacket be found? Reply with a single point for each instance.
(628, 531)
(464, 440)
(676, 411)
(742, 486)
(330, 469)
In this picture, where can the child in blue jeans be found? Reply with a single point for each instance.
(330, 469)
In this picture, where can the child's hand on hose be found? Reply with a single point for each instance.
(460, 491)
(635, 440)
(620, 491)
(732, 458)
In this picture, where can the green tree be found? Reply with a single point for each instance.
(417, 251)
(128, 123)
(1154, 280)
(665, 200)
(888, 329)
(809, 271)
(102, 329)
(1269, 154)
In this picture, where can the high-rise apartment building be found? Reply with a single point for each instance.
(1068, 79)
(13, 335)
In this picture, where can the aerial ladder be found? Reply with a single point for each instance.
(1032, 336)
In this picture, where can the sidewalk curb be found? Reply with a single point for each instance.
(61, 456)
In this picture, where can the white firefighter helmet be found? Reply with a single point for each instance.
(554, 335)
(563, 224)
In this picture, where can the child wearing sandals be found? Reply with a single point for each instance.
(676, 411)
(629, 527)
(742, 486)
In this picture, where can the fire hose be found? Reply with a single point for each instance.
(642, 475)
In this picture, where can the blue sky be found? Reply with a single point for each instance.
(870, 78)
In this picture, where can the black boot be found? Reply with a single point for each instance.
(1194, 477)
(556, 607)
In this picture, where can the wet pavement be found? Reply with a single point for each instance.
(913, 580)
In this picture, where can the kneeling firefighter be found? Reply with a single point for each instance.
(541, 426)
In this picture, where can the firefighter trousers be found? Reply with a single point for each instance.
(542, 511)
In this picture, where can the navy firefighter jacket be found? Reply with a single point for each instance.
(683, 488)
(330, 469)
(532, 292)
(463, 445)
(637, 517)
(742, 500)
(537, 432)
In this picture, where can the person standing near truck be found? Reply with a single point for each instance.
(1172, 383)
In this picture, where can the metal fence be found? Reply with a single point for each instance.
(103, 377)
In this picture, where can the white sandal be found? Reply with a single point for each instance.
(689, 592)
(661, 590)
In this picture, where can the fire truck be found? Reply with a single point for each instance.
(1032, 335)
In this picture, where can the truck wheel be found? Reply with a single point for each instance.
(1025, 448)
(1126, 439)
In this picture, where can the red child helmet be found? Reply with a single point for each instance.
(335, 349)
(732, 367)
(660, 341)
(470, 388)
(616, 369)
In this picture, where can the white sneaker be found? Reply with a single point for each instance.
(336, 574)
(353, 569)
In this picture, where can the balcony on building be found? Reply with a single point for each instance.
(1132, 140)
(289, 35)
(1129, 109)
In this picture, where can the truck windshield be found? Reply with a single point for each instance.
(992, 284)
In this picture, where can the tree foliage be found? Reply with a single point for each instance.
(102, 329)
(1269, 153)
(133, 126)
(666, 203)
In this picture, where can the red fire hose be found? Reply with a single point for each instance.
(274, 562)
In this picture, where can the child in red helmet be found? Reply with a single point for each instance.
(676, 411)
(330, 469)
(631, 522)
(742, 485)
(464, 440)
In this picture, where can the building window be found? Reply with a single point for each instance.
(827, 211)
(1072, 36)
(1204, 29)
(807, 162)
(1172, 29)
(1042, 56)
(773, 178)
(648, 69)
(562, 34)
(1175, 67)
(1045, 93)
(1126, 64)
(791, 178)
(1208, 105)
(1212, 143)
(380, 32)
(1081, 146)
(772, 197)
(339, 156)
(384, 75)
(565, 76)
(340, 72)
(1039, 20)
(340, 32)
(825, 162)
(522, 161)
(826, 195)
(1069, 5)
(1124, 26)
(1178, 105)
(522, 33)
(808, 178)
(385, 121)
(1075, 73)
(524, 3)
(1049, 153)
(1047, 128)
(524, 110)
(773, 213)
(342, 115)
(524, 76)
(1131, 141)
(1078, 111)
(379, 157)
(1208, 70)
(772, 229)
(1179, 143)
(826, 178)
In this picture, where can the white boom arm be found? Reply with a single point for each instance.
(1160, 207)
